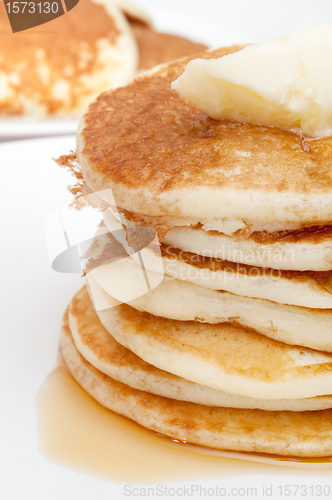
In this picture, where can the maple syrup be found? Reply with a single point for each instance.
(78, 433)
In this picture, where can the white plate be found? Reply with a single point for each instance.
(33, 298)
(24, 128)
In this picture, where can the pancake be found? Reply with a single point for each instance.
(88, 50)
(302, 249)
(309, 252)
(111, 272)
(306, 289)
(224, 356)
(312, 290)
(158, 48)
(286, 244)
(162, 156)
(183, 301)
(236, 227)
(303, 434)
(127, 278)
(98, 347)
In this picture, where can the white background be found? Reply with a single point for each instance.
(225, 22)
(33, 297)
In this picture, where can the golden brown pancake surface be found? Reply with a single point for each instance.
(144, 136)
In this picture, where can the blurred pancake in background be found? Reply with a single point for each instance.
(134, 12)
(157, 48)
(59, 71)
(59, 68)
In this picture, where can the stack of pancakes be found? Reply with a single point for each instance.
(60, 69)
(229, 345)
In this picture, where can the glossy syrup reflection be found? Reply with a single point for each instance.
(78, 433)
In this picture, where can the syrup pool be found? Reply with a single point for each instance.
(78, 433)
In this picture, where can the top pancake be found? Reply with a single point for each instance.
(162, 156)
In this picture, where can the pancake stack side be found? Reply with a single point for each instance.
(208, 306)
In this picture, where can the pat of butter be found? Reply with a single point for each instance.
(285, 83)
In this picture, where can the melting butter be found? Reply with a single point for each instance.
(284, 83)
